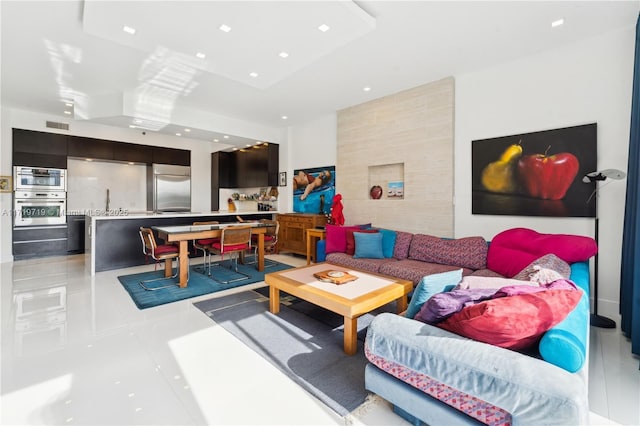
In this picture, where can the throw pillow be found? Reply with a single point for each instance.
(514, 322)
(351, 242)
(388, 241)
(336, 238)
(368, 245)
(512, 250)
(468, 252)
(474, 281)
(430, 285)
(548, 261)
(403, 243)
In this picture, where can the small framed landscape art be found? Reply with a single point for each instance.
(535, 174)
(5, 184)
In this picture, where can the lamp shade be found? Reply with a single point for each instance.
(604, 174)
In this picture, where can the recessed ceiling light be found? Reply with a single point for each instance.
(284, 117)
(283, 54)
(216, 140)
(324, 28)
(129, 30)
(557, 23)
(224, 28)
(253, 74)
(132, 126)
(88, 159)
(178, 134)
(366, 89)
(131, 163)
(137, 121)
(235, 149)
(69, 104)
(187, 130)
(200, 55)
(226, 137)
(248, 145)
(68, 112)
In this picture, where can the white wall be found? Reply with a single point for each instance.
(312, 144)
(200, 154)
(586, 82)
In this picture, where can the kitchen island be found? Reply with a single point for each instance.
(112, 241)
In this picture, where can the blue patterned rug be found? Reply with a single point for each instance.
(198, 285)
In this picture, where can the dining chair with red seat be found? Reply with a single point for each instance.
(233, 241)
(203, 244)
(159, 253)
(270, 241)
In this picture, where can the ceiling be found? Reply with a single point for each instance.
(56, 53)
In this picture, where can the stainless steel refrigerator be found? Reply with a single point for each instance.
(168, 188)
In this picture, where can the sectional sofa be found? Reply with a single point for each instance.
(435, 376)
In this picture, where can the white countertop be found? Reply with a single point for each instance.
(124, 214)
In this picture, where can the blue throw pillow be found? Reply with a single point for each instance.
(368, 245)
(388, 242)
(430, 285)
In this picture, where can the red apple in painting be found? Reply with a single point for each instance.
(547, 177)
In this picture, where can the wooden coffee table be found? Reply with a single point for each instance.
(351, 300)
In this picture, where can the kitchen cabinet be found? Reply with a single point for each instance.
(221, 173)
(293, 231)
(178, 157)
(39, 149)
(247, 168)
(75, 233)
(38, 241)
(123, 151)
(82, 147)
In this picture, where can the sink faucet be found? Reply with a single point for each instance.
(108, 200)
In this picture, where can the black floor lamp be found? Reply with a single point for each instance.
(599, 320)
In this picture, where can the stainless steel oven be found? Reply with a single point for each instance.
(40, 208)
(39, 179)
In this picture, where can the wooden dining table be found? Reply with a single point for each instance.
(182, 234)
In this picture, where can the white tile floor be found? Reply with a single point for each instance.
(76, 350)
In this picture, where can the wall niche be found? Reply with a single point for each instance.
(390, 179)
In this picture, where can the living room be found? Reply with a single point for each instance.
(584, 81)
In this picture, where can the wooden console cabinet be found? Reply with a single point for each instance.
(292, 237)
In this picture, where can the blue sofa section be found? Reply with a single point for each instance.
(529, 389)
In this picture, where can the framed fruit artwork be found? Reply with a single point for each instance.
(535, 174)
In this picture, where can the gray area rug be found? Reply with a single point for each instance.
(309, 350)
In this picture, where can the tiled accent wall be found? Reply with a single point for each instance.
(413, 128)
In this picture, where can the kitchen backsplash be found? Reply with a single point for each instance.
(88, 181)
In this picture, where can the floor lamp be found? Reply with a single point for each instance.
(599, 320)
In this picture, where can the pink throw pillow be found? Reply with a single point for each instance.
(336, 238)
(514, 322)
(514, 249)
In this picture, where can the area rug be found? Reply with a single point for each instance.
(307, 349)
(198, 285)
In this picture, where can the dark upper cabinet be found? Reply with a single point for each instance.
(246, 168)
(223, 170)
(90, 148)
(180, 157)
(39, 142)
(123, 151)
(273, 165)
(41, 149)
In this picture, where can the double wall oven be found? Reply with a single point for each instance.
(40, 196)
